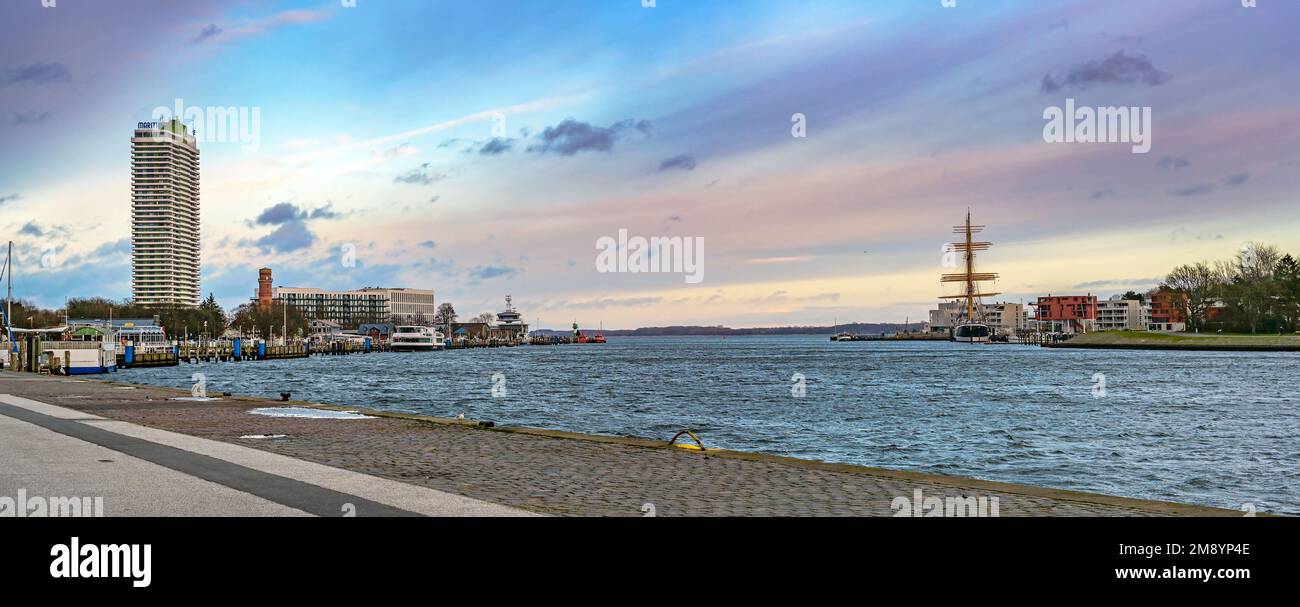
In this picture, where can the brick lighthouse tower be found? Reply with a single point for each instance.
(264, 292)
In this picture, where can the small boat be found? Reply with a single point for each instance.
(416, 339)
(842, 337)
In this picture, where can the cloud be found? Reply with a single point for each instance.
(210, 31)
(420, 176)
(399, 151)
(496, 147)
(429, 244)
(487, 272)
(32, 229)
(1237, 179)
(571, 136)
(29, 118)
(1170, 163)
(684, 162)
(278, 214)
(435, 199)
(1115, 69)
(258, 27)
(1195, 189)
(325, 212)
(609, 302)
(290, 236)
(122, 247)
(9, 198)
(1123, 282)
(36, 74)
(777, 260)
(1099, 194)
(286, 212)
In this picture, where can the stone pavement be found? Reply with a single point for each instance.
(565, 474)
(49, 451)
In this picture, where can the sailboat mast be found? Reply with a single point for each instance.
(9, 297)
(970, 272)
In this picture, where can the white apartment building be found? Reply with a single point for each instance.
(1003, 318)
(363, 306)
(1119, 314)
(164, 214)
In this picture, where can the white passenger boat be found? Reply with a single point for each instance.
(416, 339)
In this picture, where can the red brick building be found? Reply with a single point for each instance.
(1067, 313)
(1167, 311)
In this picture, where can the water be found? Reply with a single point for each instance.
(1215, 428)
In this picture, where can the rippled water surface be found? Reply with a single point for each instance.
(1217, 428)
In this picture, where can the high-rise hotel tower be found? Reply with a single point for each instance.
(164, 214)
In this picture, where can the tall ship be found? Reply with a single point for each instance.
(971, 328)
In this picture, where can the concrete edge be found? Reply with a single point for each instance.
(1157, 506)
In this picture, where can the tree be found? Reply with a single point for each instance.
(445, 315)
(1252, 289)
(1199, 284)
(1287, 277)
(261, 322)
(485, 318)
(1134, 295)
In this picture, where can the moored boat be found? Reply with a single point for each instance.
(413, 338)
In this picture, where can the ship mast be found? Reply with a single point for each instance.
(970, 278)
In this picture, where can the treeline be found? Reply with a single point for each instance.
(1257, 291)
(178, 321)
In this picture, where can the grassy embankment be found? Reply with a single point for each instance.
(1144, 340)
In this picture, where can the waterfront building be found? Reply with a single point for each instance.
(324, 328)
(411, 306)
(1002, 318)
(164, 214)
(510, 325)
(1067, 313)
(1119, 314)
(349, 309)
(1167, 311)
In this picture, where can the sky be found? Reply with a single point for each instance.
(485, 148)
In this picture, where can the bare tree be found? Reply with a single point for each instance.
(1200, 285)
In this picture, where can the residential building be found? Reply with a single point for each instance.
(1119, 314)
(1167, 311)
(1067, 313)
(351, 308)
(164, 214)
(1002, 318)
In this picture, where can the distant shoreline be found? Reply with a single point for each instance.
(697, 331)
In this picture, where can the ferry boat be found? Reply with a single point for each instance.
(412, 338)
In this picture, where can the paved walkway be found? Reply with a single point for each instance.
(52, 451)
(538, 471)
